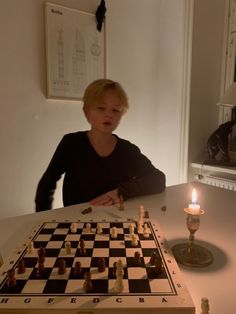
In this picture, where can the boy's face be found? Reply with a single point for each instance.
(105, 116)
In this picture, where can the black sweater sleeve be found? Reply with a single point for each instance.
(144, 177)
(48, 182)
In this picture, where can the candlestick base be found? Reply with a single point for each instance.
(196, 256)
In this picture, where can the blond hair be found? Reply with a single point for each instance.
(94, 93)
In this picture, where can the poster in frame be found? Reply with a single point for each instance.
(75, 51)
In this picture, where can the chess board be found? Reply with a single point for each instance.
(144, 288)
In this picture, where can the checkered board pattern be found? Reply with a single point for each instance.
(139, 280)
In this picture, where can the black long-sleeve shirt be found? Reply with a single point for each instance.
(88, 175)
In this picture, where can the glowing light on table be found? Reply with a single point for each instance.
(194, 208)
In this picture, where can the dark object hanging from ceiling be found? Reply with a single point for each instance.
(100, 15)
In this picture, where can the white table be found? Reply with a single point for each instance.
(217, 233)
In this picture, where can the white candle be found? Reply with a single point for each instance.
(194, 208)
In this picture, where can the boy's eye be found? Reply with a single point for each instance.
(116, 110)
(101, 108)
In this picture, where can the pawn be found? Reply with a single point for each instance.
(158, 268)
(68, 248)
(158, 265)
(101, 264)
(153, 258)
(41, 260)
(114, 232)
(140, 227)
(141, 212)
(88, 228)
(137, 258)
(131, 230)
(73, 227)
(82, 247)
(21, 267)
(134, 240)
(99, 229)
(31, 247)
(146, 231)
(11, 279)
(87, 286)
(62, 267)
(41, 255)
(77, 269)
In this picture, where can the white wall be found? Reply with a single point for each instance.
(144, 53)
(208, 32)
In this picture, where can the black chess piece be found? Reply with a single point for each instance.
(153, 257)
(101, 264)
(77, 269)
(11, 281)
(137, 259)
(87, 286)
(82, 247)
(20, 267)
(62, 267)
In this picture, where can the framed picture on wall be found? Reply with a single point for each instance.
(75, 51)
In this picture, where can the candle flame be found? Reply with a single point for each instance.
(194, 196)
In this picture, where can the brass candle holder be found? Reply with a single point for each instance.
(190, 253)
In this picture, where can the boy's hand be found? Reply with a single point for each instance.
(109, 198)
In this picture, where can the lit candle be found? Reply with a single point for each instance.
(194, 208)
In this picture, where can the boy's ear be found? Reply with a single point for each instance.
(85, 110)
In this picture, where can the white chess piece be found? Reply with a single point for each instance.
(114, 232)
(119, 285)
(88, 228)
(140, 227)
(134, 241)
(31, 247)
(205, 306)
(141, 213)
(99, 228)
(68, 247)
(131, 229)
(73, 227)
(146, 231)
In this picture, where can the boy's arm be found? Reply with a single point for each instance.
(48, 182)
(144, 177)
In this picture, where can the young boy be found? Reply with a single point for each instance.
(99, 166)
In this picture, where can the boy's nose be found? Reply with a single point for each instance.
(108, 113)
